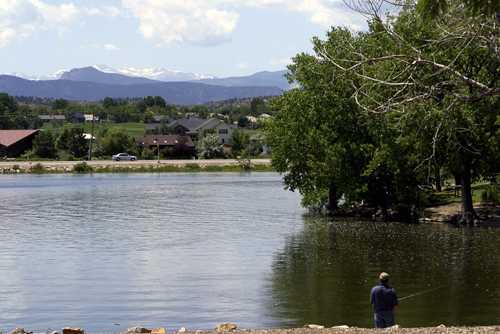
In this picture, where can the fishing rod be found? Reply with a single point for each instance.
(420, 293)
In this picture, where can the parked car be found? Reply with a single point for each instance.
(124, 157)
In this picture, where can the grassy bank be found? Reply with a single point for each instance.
(133, 129)
(84, 168)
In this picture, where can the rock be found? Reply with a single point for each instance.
(181, 330)
(71, 330)
(340, 327)
(138, 330)
(19, 331)
(441, 326)
(392, 327)
(160, 330)
(226, 327)
(313, 326)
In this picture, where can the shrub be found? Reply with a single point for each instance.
(148, 154)
(213, 168)
(192, 166)
(82, 167)
(37, 169)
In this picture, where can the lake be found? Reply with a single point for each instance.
(106, 252)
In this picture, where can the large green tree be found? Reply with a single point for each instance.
(320, 138)
(406, 63)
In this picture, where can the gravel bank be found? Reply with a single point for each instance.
(353, 330)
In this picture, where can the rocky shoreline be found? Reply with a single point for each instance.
(309, 329)
(140, 166)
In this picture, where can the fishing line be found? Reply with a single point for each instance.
(420, 293)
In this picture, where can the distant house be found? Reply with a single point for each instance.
(225, 133)
(187, 126)
(157, 122)
(90, 118)
(54, 119)
(196, 128)
(171, 145)
(13, 143)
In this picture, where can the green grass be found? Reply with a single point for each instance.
(132, 129)
(448, 196)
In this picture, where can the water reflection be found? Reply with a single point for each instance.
(154, 250)
(195, 250)
(324, 273)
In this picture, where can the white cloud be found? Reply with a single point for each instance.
(110, 47)
(192, 21)
(22, 18)
(213, 21)
(107, 11)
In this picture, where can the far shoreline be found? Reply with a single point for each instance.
(140, 166)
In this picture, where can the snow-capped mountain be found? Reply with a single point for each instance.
(152, 73)
(130, 75)
(162, 74)
(54, 76)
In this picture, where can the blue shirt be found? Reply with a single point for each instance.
(383, 298)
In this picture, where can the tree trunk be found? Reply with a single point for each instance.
(437, 175)
(468, 213)
(458, 184)
(332, 198)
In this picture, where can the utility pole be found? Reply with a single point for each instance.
(91, 137)
(157, 142)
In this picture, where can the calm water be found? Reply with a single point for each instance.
(107, 252)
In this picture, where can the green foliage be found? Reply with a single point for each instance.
(192, 167)
(491, 194)
(116, 141)
(108, 102)
(73, 141)
(44, 145)
(148, 154)
(432, 9)
(8, 106)
(209, 147)
(240, 140)
(60, 104)
(37, 168)
(243, 122)
(82, 167)
(372, 124)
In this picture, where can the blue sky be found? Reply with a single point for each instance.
(216, 37)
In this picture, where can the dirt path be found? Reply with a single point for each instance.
(489, 214)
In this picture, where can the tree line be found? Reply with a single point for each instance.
(24, 112)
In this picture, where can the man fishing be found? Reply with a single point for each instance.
(384, 300)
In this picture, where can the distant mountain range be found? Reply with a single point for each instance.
(184, 93)
(96, 82)
(132, 75)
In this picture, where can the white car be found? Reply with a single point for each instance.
(124, 157)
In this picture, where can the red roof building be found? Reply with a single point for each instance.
(13, 143)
